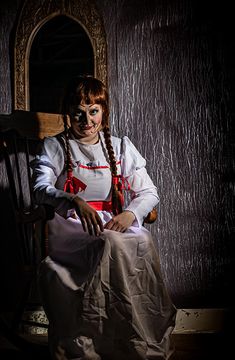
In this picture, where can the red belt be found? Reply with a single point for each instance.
(101, 205)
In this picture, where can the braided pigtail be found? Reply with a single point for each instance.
(68, 186)
(117, 196)
(68, 158)
(72, 184)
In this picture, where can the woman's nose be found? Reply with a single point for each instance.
(89, 118)
(85, 118)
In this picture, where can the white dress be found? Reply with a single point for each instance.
(104, 296)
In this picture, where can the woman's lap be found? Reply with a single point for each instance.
(123, 304)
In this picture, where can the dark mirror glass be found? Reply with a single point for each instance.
(61, 49)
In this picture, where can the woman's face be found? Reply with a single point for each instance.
(86, 121)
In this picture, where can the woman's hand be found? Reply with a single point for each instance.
(121, 222)
(91, 222)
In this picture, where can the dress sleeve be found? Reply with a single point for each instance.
(46, 168)
(144, 195)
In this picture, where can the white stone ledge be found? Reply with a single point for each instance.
(188, 321)
(200, 320)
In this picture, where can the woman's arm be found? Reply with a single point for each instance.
(47, 166)
(144, 195)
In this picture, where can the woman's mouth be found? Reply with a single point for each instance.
(87, 127)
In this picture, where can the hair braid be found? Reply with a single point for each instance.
(68, 157)
(116, 195)
(108, 143)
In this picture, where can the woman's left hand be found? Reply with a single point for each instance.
(121, 222)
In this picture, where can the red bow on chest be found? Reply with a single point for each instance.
(73, 185)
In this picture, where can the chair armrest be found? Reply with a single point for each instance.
(151, 217)
(41, 212)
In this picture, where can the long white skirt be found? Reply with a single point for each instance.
(105, 298)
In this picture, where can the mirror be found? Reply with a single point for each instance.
(37, 26)
(60, 50)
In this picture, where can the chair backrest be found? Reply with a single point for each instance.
(16, 153)
(21, 132)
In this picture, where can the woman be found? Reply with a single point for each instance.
(101, 284)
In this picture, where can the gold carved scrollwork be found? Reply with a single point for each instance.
(36, 13)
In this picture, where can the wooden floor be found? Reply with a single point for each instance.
(187, 347)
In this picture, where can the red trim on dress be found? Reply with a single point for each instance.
(96, 167)
(101, 205)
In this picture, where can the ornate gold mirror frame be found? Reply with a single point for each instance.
(33, 16)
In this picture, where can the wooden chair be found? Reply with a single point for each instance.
(25, 236)
(23, 239)
(20, 133)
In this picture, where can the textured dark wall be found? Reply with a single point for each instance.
(171, 74)
(168, 79)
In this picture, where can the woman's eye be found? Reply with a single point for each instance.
(94, 112)
(78, 114)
